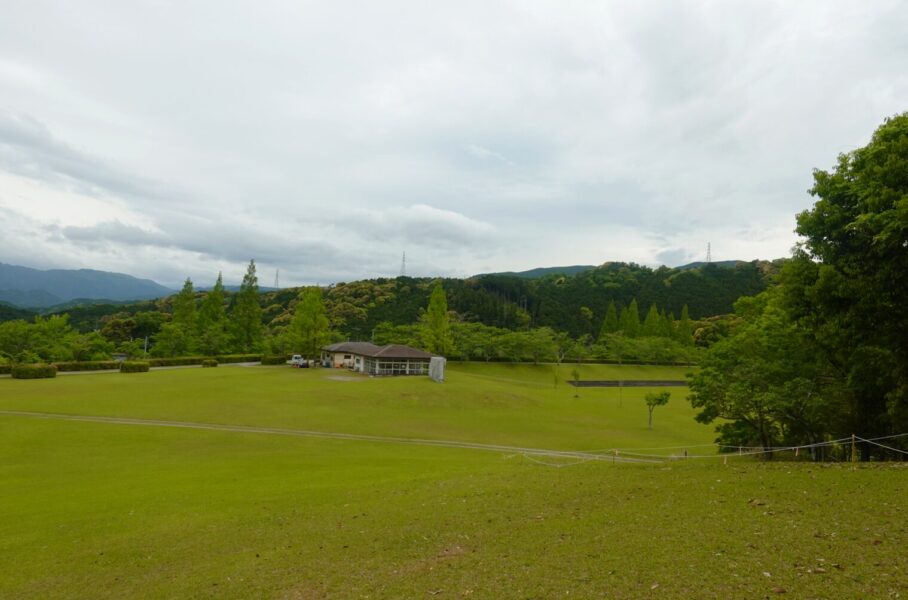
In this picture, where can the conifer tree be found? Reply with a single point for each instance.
(630, 320)
(247, 313)
(610, 324)
(651, 324)
(184, 306)
(685, 332)
(437, 326)
(211, 323)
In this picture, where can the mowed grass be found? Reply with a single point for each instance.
(501, 404)
(99, 510)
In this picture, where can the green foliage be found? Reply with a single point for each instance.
(134, 366)
(275, 359)
(630, 320)
(97, 365)
(309, 329)
(211, 325)
(848, 285)
(610, 323)
(246, 316)
(436, 324)
(238, 358)
(209, 363)
(684, 331)
(184, 312)
(33, 371)
(653, 400)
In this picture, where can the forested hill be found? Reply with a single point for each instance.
(573, 304)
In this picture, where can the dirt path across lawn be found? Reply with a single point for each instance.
(562, 454)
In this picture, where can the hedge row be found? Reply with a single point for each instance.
(238, 358)
(37, 371)
(5, 369)
(209, 362)
(275, 359)
(179, 361)
(93, 365)
(176, 361)
(134, 366)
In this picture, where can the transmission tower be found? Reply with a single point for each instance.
(403, 265)
(277, 273)
(709, 253)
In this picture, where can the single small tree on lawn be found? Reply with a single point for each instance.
(653, 400)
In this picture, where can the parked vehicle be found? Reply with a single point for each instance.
(298, 361)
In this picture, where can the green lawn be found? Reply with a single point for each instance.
(99, 510)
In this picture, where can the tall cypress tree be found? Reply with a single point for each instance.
(247, 313)
(685, 331)
(630, 320)
(610, 324)
(184, 306)
(211, 324)
(651, 325)
(437, 327)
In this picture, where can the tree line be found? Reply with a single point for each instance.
(823, 353)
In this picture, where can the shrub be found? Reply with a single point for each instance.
(176, 361)
(275, 359)
(5, 369)
(94, 365)
(36, 371)
(134, 366)
(209, 362)
(238, 358)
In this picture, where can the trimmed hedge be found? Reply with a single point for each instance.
(209, 362)
(5, 369)
(176, 361)
(134, 366)
(38, 371)
(93, 365)
(275, 359)
(238, 358)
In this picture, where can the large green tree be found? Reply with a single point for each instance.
(309, 328)
(436, 323)
(211, 323)
(849, 283)
(246, 316)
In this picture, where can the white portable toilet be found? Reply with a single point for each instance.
(437, 369)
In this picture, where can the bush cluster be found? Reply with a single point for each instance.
(134, 366)
(209, 362)
(176, 361)
(275, 359)
(93, 365)
(5, 369)
(238, 358)
(35, 371)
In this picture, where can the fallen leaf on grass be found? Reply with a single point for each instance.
(779, 590)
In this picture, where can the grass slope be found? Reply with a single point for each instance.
(111, 511)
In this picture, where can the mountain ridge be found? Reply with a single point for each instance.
(25, 287)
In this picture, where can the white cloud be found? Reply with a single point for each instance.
(328, 138)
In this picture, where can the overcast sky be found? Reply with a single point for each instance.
(174, 139)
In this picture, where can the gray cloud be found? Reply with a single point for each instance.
(476, 136)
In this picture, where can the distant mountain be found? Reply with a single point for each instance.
(34, 288)
(545, 271)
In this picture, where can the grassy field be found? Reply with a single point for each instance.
(103, 510)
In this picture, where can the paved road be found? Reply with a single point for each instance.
(561, 454)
